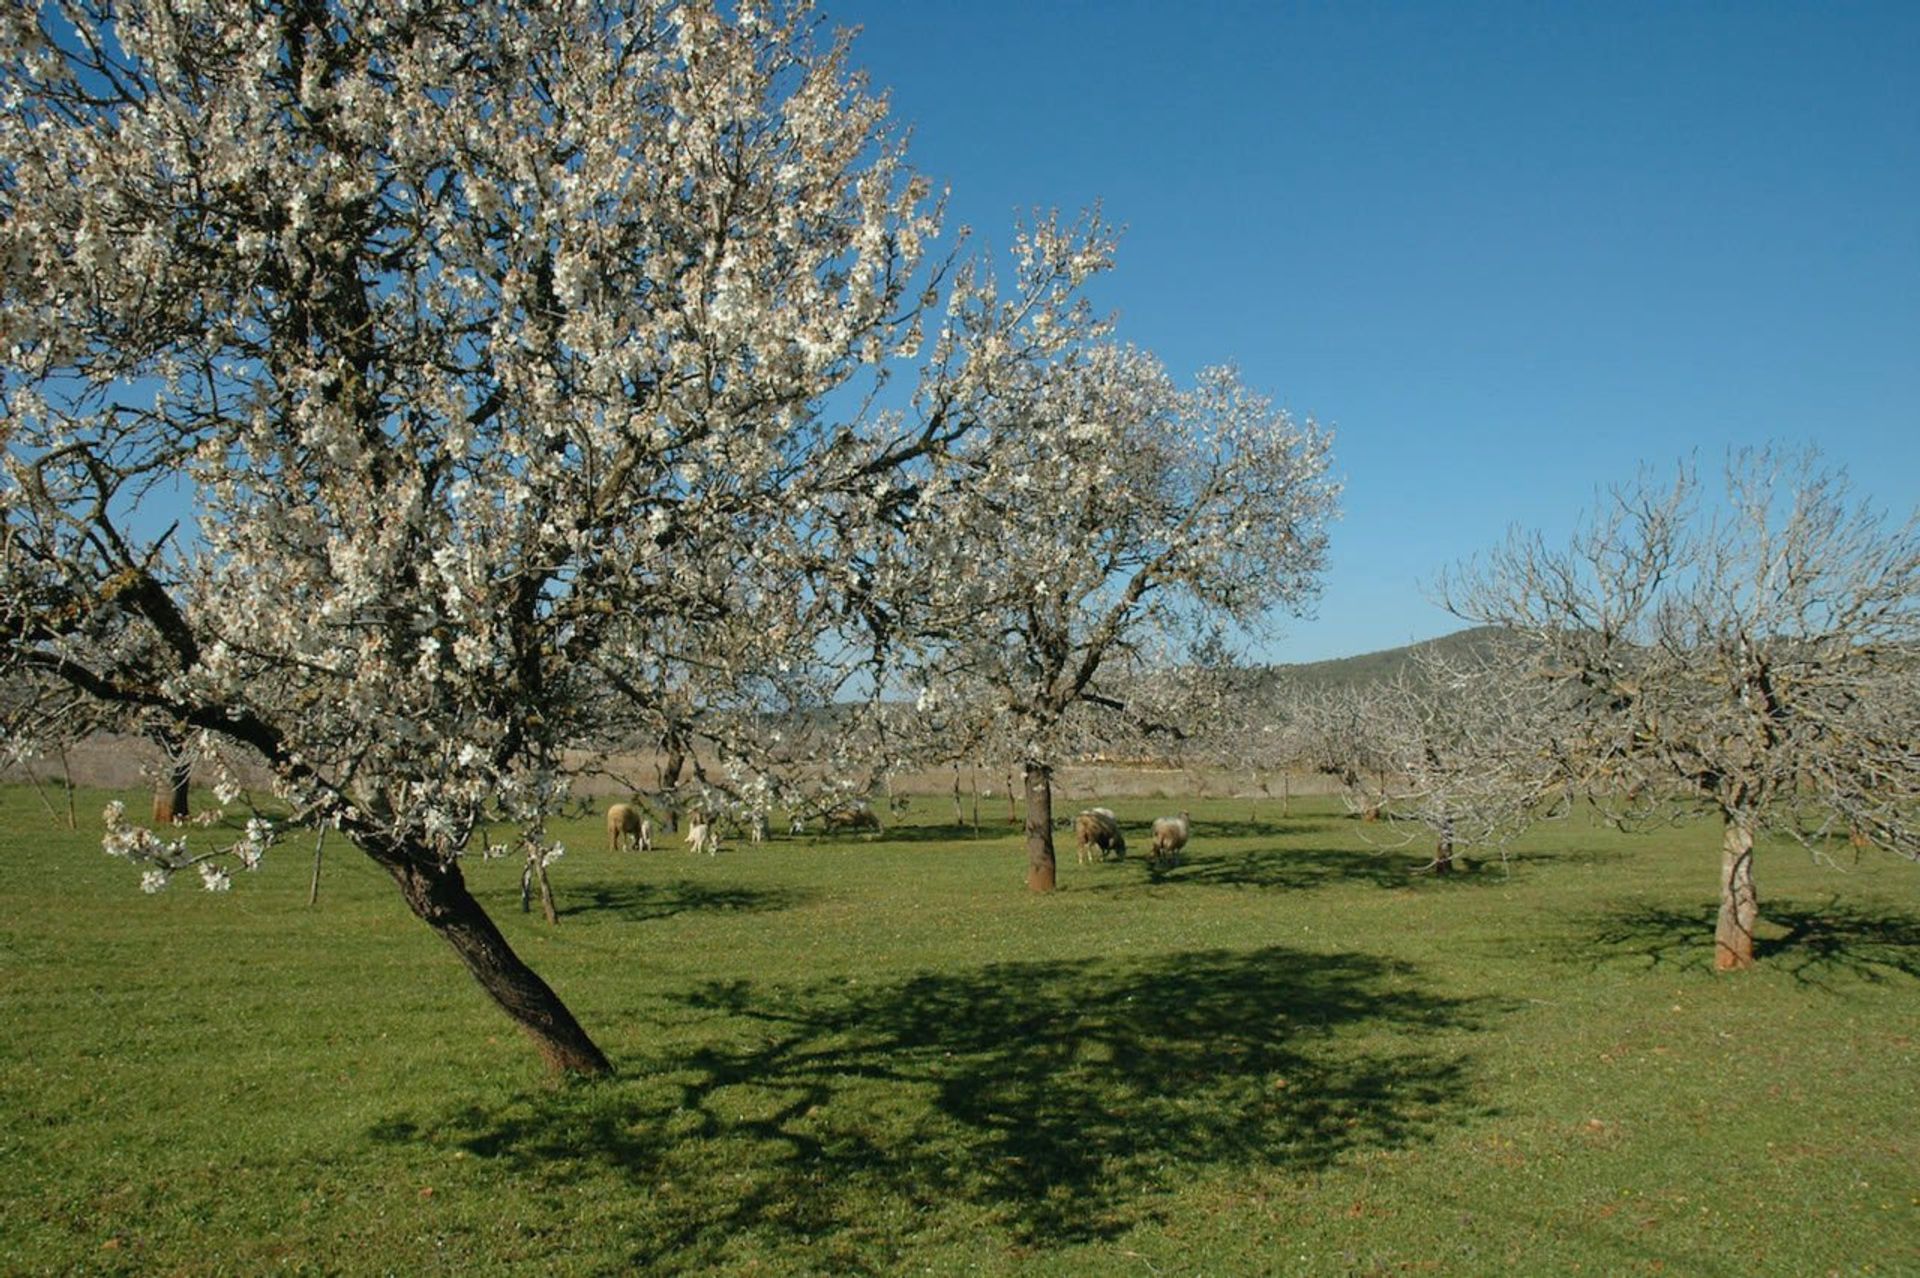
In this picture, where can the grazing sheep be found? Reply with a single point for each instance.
(857, 818)
(627, 829)
(702, 837)
(1170, 834)
(1098, 828)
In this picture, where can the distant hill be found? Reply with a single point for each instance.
(1373, 667)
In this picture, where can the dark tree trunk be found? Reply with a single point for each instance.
(437, 893)
(1739, 902)
(1040, 862)
(1443, 854)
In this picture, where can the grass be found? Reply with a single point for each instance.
(884, 1056)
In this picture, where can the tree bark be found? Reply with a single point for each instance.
(437, 894)
(546, 892)
(1040, 862)
(170, 792)
(1739, 903)
(313, 885)
(1443, 853)
(670, 770)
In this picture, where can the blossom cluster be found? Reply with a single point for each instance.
(161, 859)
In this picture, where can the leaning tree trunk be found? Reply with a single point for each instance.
(1739, 903)
(437, 893)
(1040, 862)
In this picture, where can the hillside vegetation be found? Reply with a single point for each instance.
(1377, 667)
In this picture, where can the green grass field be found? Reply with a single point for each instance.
(849, 1057)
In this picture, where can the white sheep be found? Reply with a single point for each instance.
(626, 828)
(702, 837)
(1098, 830)
(1170, 834)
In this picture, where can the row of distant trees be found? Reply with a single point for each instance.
(400, 397)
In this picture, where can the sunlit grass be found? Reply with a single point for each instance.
(881, 1055)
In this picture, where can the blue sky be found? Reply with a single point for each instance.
(1509, 252)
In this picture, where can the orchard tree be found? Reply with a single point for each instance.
(1242, 719)
(1754, 658)
(1460, 747)
(1094, 518)
(378, 370)
(1338, 737)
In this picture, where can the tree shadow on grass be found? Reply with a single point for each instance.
(937, 832)
(1305, 869)
(1815, 943)
(1051, 1103)
(642, 902)
(1253, 828)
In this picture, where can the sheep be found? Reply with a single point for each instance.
(1170, 834)
(1098, 828)
(702, 837)
(854, 818)
(626, 828)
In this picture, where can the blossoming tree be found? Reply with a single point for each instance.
(1097, 516)
(455, 339)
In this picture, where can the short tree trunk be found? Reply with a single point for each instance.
(546, 891)
(170, 791)
(437, 894)
(1739, 903)
(1443, 852)
(319, 848)
(670, 769)
(1040, 862)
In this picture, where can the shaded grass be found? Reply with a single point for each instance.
(880, 1055)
